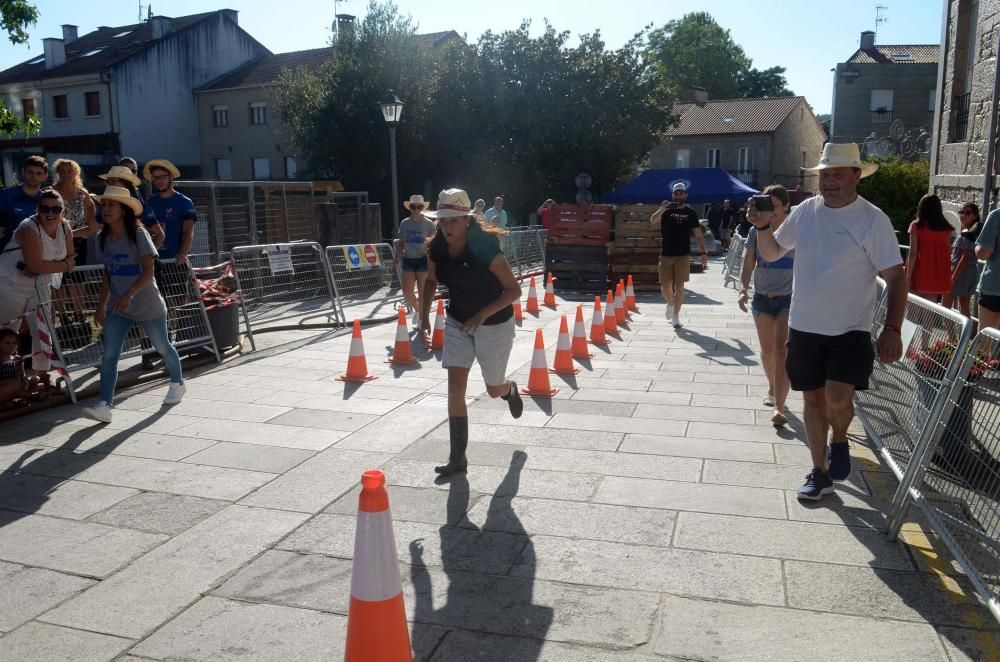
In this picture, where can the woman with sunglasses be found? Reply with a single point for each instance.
(964, 270)
(413, 234)
(42, 250)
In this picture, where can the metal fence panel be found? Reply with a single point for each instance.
(282, 281)
(525, 249)
(733, 266)
(364, 279)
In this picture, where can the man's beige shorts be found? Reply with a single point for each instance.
(675, 270)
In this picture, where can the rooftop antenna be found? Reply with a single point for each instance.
(140, 11)
(879, 18)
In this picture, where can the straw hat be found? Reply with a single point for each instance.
(121, 172)
(451, 202)
(119, 194)
(843, 155)
(159, 163)
(415, 200)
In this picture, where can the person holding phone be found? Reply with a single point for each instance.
(677, 222)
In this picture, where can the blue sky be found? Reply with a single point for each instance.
(808, 38)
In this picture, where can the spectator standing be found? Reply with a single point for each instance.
(964, 270)
(19, 202)
(841, 242)
(714, 217)
(988, 248)
(545, 213)
(677, 222)
(742, 224)
(129, 295)
(928, 262)
(80, 213)
(124, 177)
(413, 234)
(479, 209)
(729, 219)
(497, 215)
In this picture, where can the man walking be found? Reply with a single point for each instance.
(19, 202)
(677, 222)
(841, 243)
(496, 215)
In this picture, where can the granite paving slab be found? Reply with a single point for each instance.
(40, 642)
(396, 430)
(159, 512)
(777, 476)
(702, 448)
(227, 411)
(411, 504)
(32, 591)
(533, 436)
(617, 424)
(252, 457)
(56, 497)
(119, 442)
(265, 434)
(698, 497)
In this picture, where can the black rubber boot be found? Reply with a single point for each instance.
(458, 427)
(513, 399)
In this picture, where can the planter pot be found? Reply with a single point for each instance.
(224, 322)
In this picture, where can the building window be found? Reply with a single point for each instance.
(261, 168)
(223, 169)
(220, 116)
(92, 103)
(258, 113)
(27, 108)
(881, 107)
(291, 167)
(60, 107)
(745, 172)
(712, 157)
(683, 158)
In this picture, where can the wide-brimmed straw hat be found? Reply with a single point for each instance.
(451, 202)
(415, 200)
(119, 194)
(121, 172)
(147, 170)
(843, 155)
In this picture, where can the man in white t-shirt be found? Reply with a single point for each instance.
(842, 242)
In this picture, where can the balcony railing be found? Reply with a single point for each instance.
(748, 177)
(880, 117)
(961, 108)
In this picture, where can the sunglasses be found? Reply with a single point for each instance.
(45, 209)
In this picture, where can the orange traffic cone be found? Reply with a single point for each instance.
(518, 313)
(630, 296)
(357, 366)
(579, 346)
(597, 336)
(437, 339)
(620, 311)
(532, 304)
(564, 353)
(403, 353)
(538, 378)
(610, 317)
(550, 293)
(376, 620)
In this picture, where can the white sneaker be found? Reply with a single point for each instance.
(676, 321)
(669, 312)
(101, 412)
(769, 400)
(175, 393)
(415, 321)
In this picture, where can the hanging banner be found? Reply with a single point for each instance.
(280, 258)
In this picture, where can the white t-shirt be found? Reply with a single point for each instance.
(838, 254)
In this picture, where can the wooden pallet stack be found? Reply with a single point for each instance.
(636, 247)
(576, 251)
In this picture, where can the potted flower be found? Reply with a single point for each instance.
(218, 292)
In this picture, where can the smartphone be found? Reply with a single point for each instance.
(763, 203)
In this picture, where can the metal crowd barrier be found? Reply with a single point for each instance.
(283, 281)
(525, 250)
(733, 265)
(364, 275)
(76, 338)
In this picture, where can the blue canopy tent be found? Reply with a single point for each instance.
(704, 185)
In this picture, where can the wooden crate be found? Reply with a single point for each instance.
(580, 268)
(580, 225)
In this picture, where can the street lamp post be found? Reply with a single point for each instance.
(392, 108)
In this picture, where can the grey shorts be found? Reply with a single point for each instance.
(490, 345)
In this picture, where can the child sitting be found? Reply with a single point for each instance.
(15, 389)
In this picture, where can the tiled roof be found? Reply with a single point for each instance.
(436, 39)
(96, 51)
(762, 115)
(917, 54)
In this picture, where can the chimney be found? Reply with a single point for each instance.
(55, 52)
(867, 40)
(69, 33)
(161, 26)
(231, 14)
(699, 95)
(345, 24)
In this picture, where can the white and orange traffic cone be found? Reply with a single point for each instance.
(620, 311)
(610, 317)
(357, 366)
(550, 293)
(597, 336)
(532, 304)
(579, 345)
(402, 354)
(630, 296)
(563, 364)
(437, 338)
(518, 313)
(376, 620)
(538, 378)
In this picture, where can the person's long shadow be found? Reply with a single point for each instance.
(477, 600)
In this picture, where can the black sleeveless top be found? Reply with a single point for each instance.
(471, 284)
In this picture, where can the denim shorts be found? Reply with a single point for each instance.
(774, 306)
(415, 263)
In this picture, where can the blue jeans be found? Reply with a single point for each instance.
(116, 328)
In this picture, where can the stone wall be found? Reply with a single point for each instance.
(798, 143)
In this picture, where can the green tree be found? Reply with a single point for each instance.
(696, 51)
(896, 189)
(15, 17)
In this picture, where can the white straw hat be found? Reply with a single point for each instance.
(415, 200)
(147, 170)
(451, 202)
(843, 155)
(123, 173)
(119, 194)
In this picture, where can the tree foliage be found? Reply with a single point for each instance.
(513, 115)
(896, 189)
(696, 51)
(15, 17)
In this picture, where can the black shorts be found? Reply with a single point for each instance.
(415, 264)
(814, 358)
(990, 302)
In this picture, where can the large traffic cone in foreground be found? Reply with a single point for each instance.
(532, 304)
(437, 339)
(538, 378)
(357, 366)
(620, 311)
(630, 296)
(564, 353)
(597, 336)
(518, 313)
(376, 622)
(402, 354)
(610, 319)
(579, 345)
(550, 293)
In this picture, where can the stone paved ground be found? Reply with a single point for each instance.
(647, 512)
